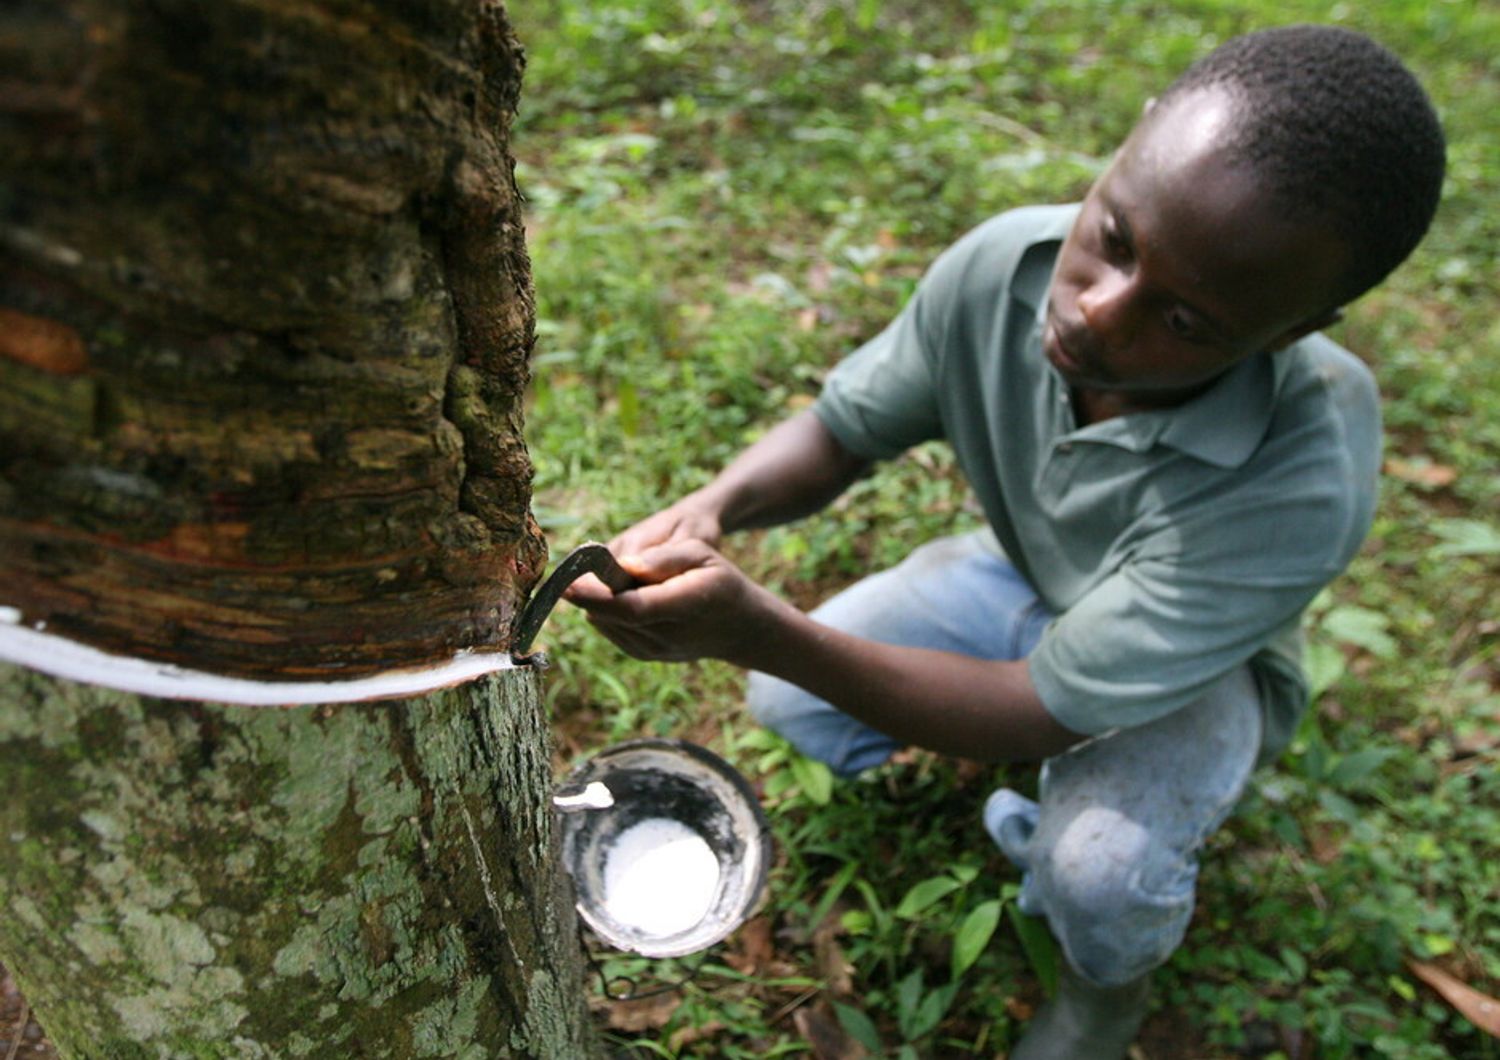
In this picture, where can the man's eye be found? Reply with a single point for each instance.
(1113, 244)
(1181, 325)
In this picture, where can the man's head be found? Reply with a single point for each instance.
(1278, 178)
(1339, 130)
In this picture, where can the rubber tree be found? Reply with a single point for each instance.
(274, 785)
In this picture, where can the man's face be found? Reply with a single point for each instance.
(1180, 265)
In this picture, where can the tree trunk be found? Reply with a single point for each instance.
(265, 313)
(360, 880)
(265, 316)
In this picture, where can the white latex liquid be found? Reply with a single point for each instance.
(660, 877)
(38, 650)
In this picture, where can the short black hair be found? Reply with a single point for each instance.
(1341, 129)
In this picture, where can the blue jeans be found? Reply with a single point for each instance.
(1109, 852)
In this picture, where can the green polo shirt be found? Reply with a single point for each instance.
(1173, 545)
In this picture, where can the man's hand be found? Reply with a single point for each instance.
(687, 520)
(694, 604)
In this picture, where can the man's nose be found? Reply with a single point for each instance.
(1110, 310)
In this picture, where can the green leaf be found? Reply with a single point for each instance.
(615, 686)
(908, 999)
(1295, 963)
(1465, 537)
(1438, 945)
(924, 895)
(872, 902)
(974, 935)
(1323, 664)
(1362, 628)
(630, 408)
(1428, 849)
(779, 783)
(931, 1011)
(758, 739)
(831, 894)
(1354, 767)
(859, 1027)
(1314, 761)
(1260, 967)
(1338, 807)
(1040, 947)
(814, 778)
(857, 922)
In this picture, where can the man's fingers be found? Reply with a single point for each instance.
(633, 640)
(665, 561)
(631, 542)
(652, 566)
(586, 589)
(643, 535)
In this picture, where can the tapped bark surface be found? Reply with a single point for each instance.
(265, 315)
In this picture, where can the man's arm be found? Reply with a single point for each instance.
(697, 604)
(795, 469)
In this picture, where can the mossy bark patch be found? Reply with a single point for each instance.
(363, 880)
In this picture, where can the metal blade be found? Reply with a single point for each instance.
(588, 558)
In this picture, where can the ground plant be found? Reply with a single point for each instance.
(724, 198)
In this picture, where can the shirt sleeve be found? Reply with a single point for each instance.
(1147, 641)
(882, 399)
(886, 396)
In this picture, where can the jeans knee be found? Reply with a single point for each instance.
(1111, 927)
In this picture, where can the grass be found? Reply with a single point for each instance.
(723, 201)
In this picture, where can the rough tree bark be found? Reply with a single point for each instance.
(360, 880)
(265, 317)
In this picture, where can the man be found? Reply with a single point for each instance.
(1172, 462)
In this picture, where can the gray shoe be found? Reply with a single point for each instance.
(1085, 1022)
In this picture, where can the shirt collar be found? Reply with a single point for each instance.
(1033, 272)
(1224, 425)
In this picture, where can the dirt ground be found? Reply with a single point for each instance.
(21, 1036)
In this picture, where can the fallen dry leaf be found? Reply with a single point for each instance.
(1325, 842)
(1421, 472)
(49, 345)
(835, 969)
(686, 1036)
(647, 1014)
(1018, 1009)
(1479, 1009)
(822, 1030)
(755, 947)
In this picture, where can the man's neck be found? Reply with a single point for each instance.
(1095, 406)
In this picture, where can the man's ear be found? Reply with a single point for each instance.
(1307, 327)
